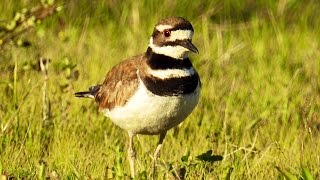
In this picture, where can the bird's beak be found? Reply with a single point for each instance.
(188, 44)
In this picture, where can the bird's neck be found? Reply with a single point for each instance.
(166, 76)
(159, 61)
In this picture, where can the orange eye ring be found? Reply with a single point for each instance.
(167, 33)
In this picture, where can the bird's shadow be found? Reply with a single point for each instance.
(209, 157)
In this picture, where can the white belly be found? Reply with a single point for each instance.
(147, 113)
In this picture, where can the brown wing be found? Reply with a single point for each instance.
(120, 83)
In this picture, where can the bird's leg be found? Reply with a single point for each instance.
(131, 154)
(156, 154)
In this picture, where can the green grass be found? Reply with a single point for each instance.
(259, 64)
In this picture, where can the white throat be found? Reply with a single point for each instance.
(176, 52)
(171, 73)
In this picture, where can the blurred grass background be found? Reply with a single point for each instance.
(259, 63)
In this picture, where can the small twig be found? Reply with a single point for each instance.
(47, 124)
(44, 69)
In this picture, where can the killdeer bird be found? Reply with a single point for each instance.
(155, 91)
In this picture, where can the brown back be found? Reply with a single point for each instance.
(120, 84)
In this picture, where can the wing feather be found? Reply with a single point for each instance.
(120, 84)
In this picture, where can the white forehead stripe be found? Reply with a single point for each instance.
(180, 35)
(162, 27)
(172, 73)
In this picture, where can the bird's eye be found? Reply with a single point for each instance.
(167, 33)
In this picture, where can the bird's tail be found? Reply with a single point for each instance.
(88, 94)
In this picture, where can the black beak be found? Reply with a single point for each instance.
(188, 44)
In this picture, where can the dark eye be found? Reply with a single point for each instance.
(167, 33)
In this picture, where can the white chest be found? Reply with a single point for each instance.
(146, 113)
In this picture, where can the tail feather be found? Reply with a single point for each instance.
(88, 94)
(84, 94)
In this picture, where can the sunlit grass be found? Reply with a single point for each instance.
(259, 65)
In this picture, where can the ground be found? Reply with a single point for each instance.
(258, 116)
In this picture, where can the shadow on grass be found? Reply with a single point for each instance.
(209, 157)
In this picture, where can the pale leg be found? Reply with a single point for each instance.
(156, 154)
(131, 154)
